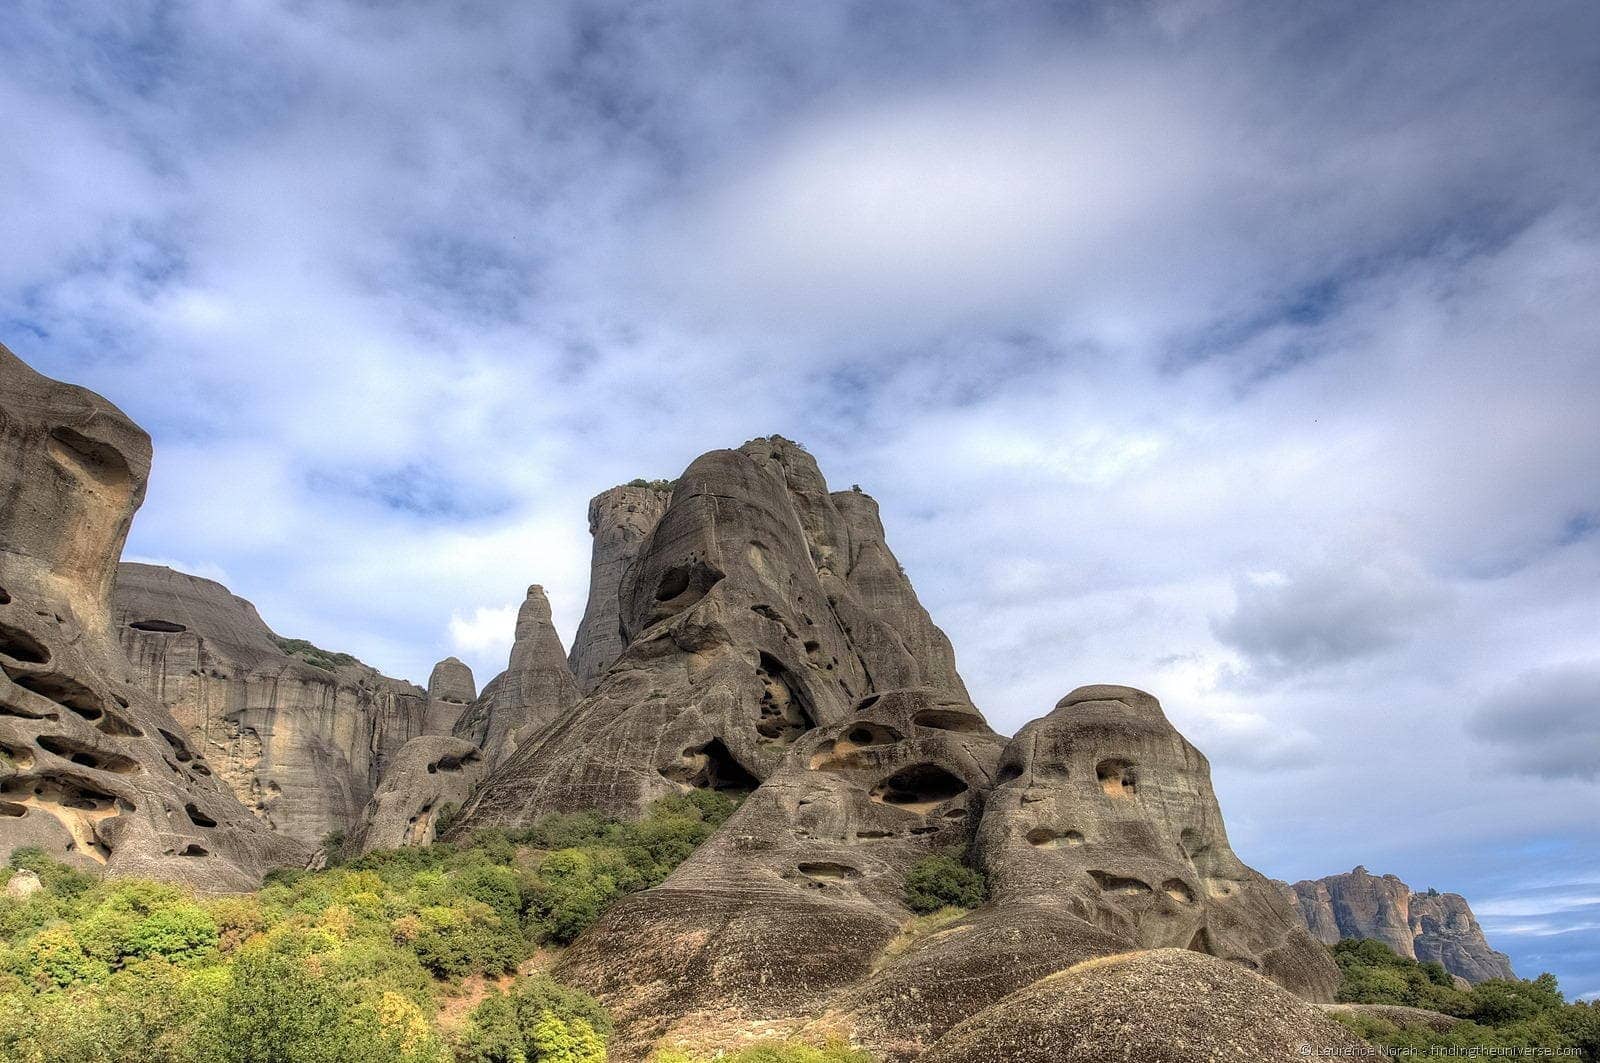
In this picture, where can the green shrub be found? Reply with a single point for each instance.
(943, 881)
(778, 1052)
(538, 1022)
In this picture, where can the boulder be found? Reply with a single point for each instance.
(22, 885)
(427, 779)
(619, 520)
(95, 770)
(535, 689)
(300, 735)
(1157, 1006)
(1430, 926)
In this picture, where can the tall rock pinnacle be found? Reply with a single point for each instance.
(619, 520)
(535, 688)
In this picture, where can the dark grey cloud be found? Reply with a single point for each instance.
(1547, 722)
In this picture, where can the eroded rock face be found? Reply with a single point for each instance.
(759, 607)
(428, 776)
(1104, 808)
(451, 689)
(302, 744)
(95, 770)
(535, 689)
(619, 520)
(1160, 1006)
(1431, 927)
(797, 895)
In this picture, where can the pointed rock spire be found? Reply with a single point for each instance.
(620, 520)
(533, 690)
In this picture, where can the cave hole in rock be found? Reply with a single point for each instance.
(1009, 772)
(918, 787)
(21, 757)
(195, 850)
(197, 817)
(1178, 890)
(159, 627)
(64, 691)
(86, 755)
(5, 599)
(785, 711)
(1117, 777)
(711, 767)
(683, 585)
(1050, 838)
(1120, 885)
(180, 748)
(117, 726)
(96, 460)
(870, 834)
(828, 870)
(21, 646)
(948, 720)
(11, 808)
(867, 702)
(10, 708)
(77, 804)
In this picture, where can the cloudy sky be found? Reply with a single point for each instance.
(1247, 353)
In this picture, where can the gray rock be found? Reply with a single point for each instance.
(22, 885)
(451, 683)
(430, 776)
(619, 520)
(1431, 927)
(94, 769)
(535, 689)
(300, 736)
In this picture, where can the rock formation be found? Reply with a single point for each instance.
(451, 689)
(429, 776)
(94, 768)
(619, 520)
(1161, 1006)
(759, 607)
(535, 689)
(1431, 927)
(300, 735)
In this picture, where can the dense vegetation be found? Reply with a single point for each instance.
(1494, 1014)
(943, 881)
(316, 656)
(411, 955)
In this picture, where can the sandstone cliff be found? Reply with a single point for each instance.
(301, 736)
(94, 768)
(535, 689)
(1431, 927)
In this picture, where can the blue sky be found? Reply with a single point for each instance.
(1248, 353)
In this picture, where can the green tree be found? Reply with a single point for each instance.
(941, 882)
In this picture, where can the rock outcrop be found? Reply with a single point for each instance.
(429, 776)
(1160, 1006)
(1431, 926)
(759, 607)
(94, 769)
(619, 520)
(451, 689)
(535, 689)
(300, 735)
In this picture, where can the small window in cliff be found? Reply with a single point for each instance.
(711, 767)
(921, 786)
(160, 627)
(64, 691)
(21, 646)
(785, 711)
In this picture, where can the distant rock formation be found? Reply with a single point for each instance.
(302, 736)
(619, 520)
(92, 767)
(1430, 927)
(451, 689)
(535, 689)
(759, 607)
(428, 776)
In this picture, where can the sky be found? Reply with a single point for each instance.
(1247, 353)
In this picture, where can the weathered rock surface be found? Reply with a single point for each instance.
(451, 690)
(1431, 927)
(798, 894)
(302, 737)
(95, 770)
(22, 885)
(535, 689)
(759, 607)
(427, 776)
(1160, 1006)
(619, 520)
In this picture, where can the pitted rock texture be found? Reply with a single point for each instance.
(536, 688)
(1160, 1006)
(429, 776)
(302, 744)
(797, 895)
(619, 520)
(94, 769)
(759, 607)
(1431, 927)
(1104, 812)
